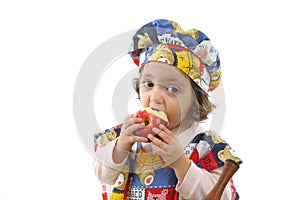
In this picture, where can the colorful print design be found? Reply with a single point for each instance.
(207, 150)
(165, 41)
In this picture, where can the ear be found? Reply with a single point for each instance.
(135, 84)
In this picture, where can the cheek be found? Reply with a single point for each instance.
(184, 105)
(174, 109)
(181, 111)
(143, 98)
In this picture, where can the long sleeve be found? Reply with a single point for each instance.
(207, 150)
(198, 182)
(105, 168)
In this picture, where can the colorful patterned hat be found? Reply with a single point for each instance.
(191, 51)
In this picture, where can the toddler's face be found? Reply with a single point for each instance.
(166, 88)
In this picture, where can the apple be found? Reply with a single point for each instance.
(152, 119)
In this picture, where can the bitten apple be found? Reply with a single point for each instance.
(152, 119)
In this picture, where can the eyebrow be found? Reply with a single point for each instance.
(172, 79)
(147, 76)
(166, 79)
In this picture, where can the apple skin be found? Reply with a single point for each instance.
(151, 121)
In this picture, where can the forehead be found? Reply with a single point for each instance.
(163, 72)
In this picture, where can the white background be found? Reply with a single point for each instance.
(43, 45)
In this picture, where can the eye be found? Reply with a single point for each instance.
(172, 89)
(148, 84)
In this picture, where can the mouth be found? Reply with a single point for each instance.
(156, 109)
(159, 110)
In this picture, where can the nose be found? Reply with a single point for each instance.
(157, 94)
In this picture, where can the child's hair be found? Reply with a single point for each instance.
(205, 106)
(202, 107)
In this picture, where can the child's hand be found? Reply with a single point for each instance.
(127, 139)
(167, 146)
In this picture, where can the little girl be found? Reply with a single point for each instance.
(177, 70)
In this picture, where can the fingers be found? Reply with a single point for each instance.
(132, 128)
(166, 145)
(164, 133)
(130, 125)
(165, 129)
(156, 142)
(139, 139)
(131, 120)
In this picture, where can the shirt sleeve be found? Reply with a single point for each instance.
(105, 168)
(198, 182)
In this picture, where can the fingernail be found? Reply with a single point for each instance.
(155, 130)
(161, 126)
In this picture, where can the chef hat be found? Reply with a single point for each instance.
(190, 51)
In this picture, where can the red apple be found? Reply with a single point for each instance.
(152, 119)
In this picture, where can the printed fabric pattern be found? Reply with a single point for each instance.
(190, 51)
(207, 150)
